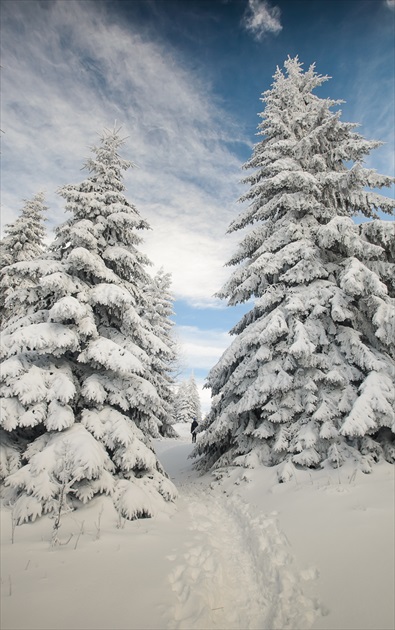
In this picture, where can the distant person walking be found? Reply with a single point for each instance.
(194, 426)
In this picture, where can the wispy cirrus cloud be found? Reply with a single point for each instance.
(70, 69)
(202, 348)
(261, 18)
(374, 111)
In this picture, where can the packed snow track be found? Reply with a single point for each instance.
(231, 570)
(217, 559)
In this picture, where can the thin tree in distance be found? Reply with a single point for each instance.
(158, 310)
(187, 401)
(23, 241)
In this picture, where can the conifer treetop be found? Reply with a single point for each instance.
(100, 198)
(302, 161)
(24, 238)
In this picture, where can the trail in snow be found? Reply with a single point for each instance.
(216, 559)
(231, 569)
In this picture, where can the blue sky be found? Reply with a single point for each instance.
(183, 78)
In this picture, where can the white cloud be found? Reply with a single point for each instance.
(194, 257)
(202, 348)
(390, 4)
(68, 71)
(260, 18)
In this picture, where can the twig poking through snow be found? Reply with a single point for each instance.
(121, 521)
(13, 526)
(79, 534)
(97, 525)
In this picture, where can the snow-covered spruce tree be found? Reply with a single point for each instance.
(76, 372)
(182, 410)
(187, 401)
(23, 241)
(158, 310)
(309, 375)
(195, 398)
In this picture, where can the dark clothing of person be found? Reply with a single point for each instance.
(194, 426)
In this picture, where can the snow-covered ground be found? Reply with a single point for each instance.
(317, 552)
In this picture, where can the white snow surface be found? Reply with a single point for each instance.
(316, 552)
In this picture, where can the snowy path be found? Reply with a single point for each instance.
(231, 570)
(218, 559)
(211, 563)
(214, 577)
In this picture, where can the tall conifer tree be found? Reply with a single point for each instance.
(309, 375)
(158, 310)
(77, 369)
